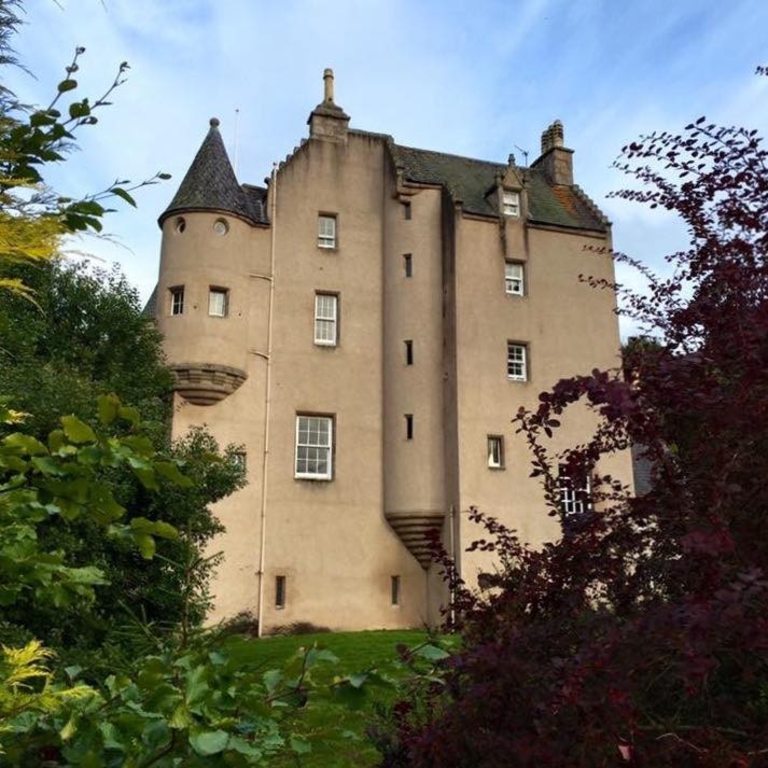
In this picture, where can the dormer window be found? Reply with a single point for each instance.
(510, 203)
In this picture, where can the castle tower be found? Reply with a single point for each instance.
(212, 307)
(366, 329)
(202, 304)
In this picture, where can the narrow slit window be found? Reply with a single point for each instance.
(407, 213)
(409, 426)
(408, 352)
(395, 590)
(176, 296)
(408, 264)
(495, 452)
(218, 302)
(279, 591)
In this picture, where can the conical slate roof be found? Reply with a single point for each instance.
(210, 183)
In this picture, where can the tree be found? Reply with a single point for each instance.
(69, 334)
(84, 336)
(640, 637)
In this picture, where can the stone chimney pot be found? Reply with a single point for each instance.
(328, 86)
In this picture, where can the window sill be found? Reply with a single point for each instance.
(314, 478)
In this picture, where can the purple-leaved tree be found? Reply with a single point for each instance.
(640, 638)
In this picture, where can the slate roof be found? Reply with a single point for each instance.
(210, 184)
(469, 181)
(150, 308)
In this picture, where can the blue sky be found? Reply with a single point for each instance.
(470, 78)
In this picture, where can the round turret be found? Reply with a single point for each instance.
(203, 289)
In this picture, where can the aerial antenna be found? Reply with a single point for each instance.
(237, 137)
(524, 154)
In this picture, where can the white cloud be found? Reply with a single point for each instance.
(475, 80)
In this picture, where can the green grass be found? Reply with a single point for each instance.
(357, 652)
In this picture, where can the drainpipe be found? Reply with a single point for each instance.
(452, 546)
(267, 397)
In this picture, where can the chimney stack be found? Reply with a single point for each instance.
(328, 121)
(556, 160)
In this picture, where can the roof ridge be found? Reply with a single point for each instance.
(458, 157)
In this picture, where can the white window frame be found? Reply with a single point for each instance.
(510, 202)
(216, 292)
(514, 278)
(326, 320)
(573, 501)
(326, 230)
(517, 361)
(176, 300)
(323, 448)
(495, 452)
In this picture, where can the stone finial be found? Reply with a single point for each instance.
(328, 86)
(214, 122)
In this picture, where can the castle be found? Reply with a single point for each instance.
(366, 326)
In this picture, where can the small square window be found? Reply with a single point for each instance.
(517, 361)
(408, 352)
(409, 426)
(218, 302)
(314, 448)
(510, 203)
(326, 231)
(408, 264)
(326, 319)
(495, 452)
(395, 590)
(240, 459)
(280, 591)
(574, 492)
(176, 297)
(514, 279)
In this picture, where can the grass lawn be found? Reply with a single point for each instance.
(357, 652)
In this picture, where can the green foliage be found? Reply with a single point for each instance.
(216, 699)
(86, 337)
(209, 702)
(26, 690)
(66, 478)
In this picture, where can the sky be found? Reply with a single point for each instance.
(480, 79)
